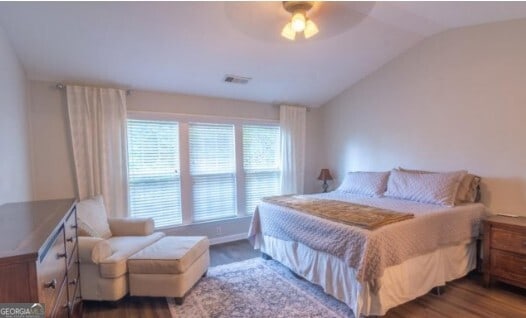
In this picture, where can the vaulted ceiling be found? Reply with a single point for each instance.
(188, 47)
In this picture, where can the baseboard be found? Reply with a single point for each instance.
(228, 238)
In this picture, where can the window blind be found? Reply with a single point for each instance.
(153, 171)
(213, 168)
(261, 156)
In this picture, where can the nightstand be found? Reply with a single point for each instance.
(505, 250)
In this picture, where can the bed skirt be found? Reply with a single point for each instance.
(399, 284)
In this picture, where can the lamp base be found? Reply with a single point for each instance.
(325, 186)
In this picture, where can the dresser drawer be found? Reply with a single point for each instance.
(73, 280)
(70, 230)
(61, 309)
(508, 265)
(51, 272)
(75, 304)
(508, 240)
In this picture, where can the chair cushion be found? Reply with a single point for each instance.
(93, 249)
(92, 218)
(131, 226)
(169, 255)
(123, 247)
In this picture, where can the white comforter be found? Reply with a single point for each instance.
(370, 252)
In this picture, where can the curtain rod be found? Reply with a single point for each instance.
(62, 86)
(306, 107)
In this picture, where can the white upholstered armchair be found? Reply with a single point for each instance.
(104, 247)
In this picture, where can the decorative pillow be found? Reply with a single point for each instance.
(467, 190)
(367, 183)
(434, 188)
(92, 219)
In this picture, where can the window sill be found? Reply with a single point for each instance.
(234, 219)
(217, 231)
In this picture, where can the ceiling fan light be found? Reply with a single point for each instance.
(288, 32)
(310, 29)
(298, 21)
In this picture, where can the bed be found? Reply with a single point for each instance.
(371, 270)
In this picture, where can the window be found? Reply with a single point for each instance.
(153, 171)
(261, 155)
(213, 171)
(184, 170)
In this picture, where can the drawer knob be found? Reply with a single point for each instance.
(51, 284)
(60, 255)
(73, 226)
(73, 282)
(71, 239)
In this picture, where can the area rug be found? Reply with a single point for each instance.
(256, 288)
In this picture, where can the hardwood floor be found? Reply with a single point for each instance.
(232, 252)
(463, 298)
(467, 298)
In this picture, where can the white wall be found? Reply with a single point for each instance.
(53, 171)
(53, 161)
(457, 100)
(190, 104)
(15, 167)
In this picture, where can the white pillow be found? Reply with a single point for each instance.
(92, 219)
(366, 183)
(434, 188)
(467, 190)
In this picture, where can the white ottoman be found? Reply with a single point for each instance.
(169, 267)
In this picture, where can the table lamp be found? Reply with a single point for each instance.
(325, 175)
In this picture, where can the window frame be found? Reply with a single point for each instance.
(184, 156)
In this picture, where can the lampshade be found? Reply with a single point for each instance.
(310, 29)
(288, 32)
(325, 175)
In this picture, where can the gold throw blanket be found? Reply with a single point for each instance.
(366, 217)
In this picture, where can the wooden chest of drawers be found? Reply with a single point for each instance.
(505, 250)
(39, 256)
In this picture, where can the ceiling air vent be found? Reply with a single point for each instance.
(235, 79)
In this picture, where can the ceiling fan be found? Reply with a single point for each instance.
(273, 21)
(299, 21)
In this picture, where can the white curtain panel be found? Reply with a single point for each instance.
(97, 118)
(292, 124)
